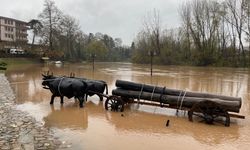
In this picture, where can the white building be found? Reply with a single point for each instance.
(12, 30)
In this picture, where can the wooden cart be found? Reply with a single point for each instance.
(210, 111)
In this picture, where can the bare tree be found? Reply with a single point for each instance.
(50, 17)
(185, 14)
(70, 28)
(152, 29)
(36, 26)
(201, 22)
(246, 9)
(236, 11)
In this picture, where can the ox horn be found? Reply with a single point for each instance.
(45, 74)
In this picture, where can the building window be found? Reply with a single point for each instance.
(6, 35)
(5, 21)
(6, 28)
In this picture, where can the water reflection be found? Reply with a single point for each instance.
(59, 65)
(67, 117)
(70, 116)
(142, 126)
(143, 122)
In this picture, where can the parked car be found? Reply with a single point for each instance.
(16, 51)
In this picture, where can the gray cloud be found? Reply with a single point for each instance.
(118, 18)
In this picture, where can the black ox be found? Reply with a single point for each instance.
(69, 87)
(94, 87)
(65, 86)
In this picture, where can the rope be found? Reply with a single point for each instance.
(140, 93)
(178, 102)
(59, 86)
(152, 98)
(152, 93)
(183, 98)
(163, 90)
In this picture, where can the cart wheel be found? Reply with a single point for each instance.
(114, 103)
(210, 112)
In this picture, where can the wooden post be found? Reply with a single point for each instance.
(151, 61)
(151, 54)
(93, 61)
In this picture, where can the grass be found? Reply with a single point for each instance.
(13, 63)
(18, 61)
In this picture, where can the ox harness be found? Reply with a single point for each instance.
(58, 88)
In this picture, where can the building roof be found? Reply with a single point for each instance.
(1, 17)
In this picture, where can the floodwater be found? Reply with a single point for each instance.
(138, 127)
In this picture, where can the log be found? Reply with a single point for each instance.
(188, 102)
(163, 90)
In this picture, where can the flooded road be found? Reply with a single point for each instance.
(138, 127)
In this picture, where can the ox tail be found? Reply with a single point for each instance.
(107, 92)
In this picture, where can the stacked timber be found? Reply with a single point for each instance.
(173, 97)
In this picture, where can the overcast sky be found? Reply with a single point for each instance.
(117, 18)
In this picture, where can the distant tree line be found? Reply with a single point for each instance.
(212, 33)
(62, 36)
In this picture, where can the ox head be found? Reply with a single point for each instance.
(47, 79)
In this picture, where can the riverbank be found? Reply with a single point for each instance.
(18, 130)
(19, 61)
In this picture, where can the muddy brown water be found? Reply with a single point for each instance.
(138, 127)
